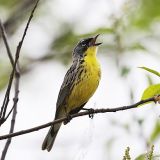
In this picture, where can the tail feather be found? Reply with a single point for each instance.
(50, 138)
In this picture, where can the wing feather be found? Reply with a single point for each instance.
(67, 85)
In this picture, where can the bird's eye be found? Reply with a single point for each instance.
(83, 44)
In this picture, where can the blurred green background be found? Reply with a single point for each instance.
(130, 32)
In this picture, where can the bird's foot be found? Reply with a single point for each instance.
(68, 119)
(91, 112)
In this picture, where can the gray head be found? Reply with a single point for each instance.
(83, 45)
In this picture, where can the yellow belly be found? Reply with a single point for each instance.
(86, 87)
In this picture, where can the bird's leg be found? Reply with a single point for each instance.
(91, 112)
(68, 117)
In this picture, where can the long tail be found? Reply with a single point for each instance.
(50, 138)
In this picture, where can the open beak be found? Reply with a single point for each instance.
(93, 41)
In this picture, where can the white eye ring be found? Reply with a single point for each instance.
(83, 45)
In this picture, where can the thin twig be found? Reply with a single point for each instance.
(14, 108)
(6, 98)
(7, 94)
(94, 111)
(15, 101)
(16, 72)
(4, 152)
(26, 28)
(3, 110)
(4, 36)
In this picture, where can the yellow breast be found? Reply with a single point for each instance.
(86, 84)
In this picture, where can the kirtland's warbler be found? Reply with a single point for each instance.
(79, 84)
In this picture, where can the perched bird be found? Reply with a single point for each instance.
(79, 84)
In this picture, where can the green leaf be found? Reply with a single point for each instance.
(141, 157)
(156, 131)
(151, 91)
(151, 71)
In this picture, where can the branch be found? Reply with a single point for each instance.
(14, 108)
(4, 36)
(16, 72)
(4, 152)
(15, 99)
(93, 111)
(7, 94)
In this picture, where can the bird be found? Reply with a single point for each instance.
(79, 85)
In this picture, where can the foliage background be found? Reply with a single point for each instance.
(130, 32)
